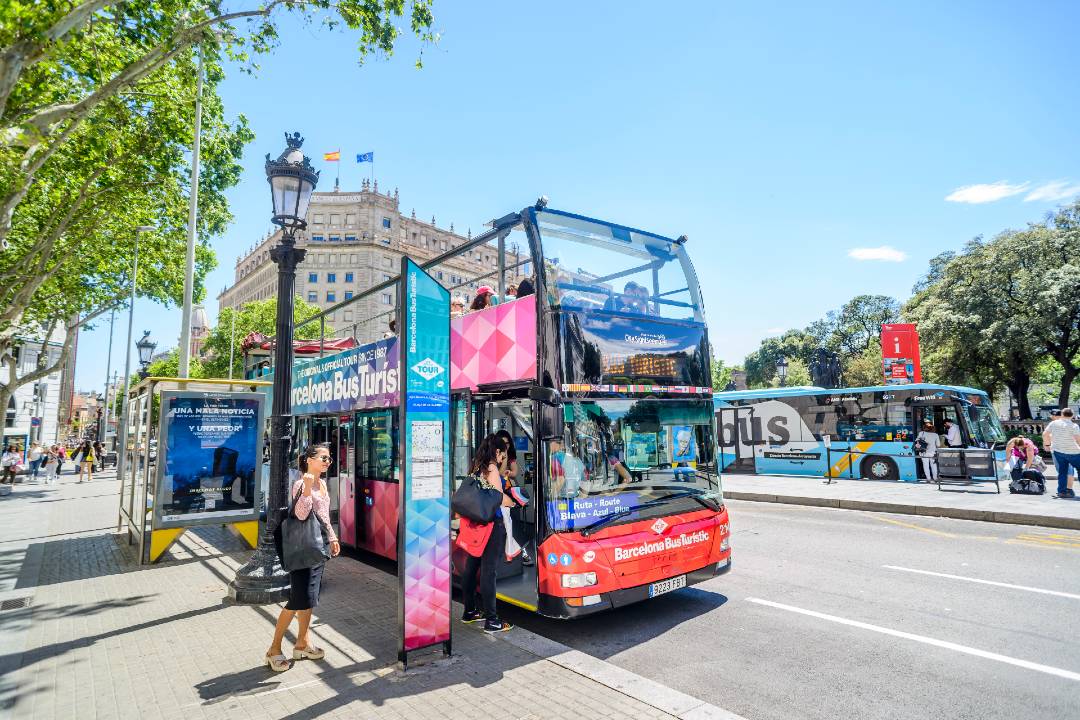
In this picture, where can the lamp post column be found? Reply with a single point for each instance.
(262, 580)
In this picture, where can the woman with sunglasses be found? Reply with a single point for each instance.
(310, 493)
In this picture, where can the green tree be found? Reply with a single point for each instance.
(865, 369)
(761, 364)
(95, 132)
(259, 316)
(722, 375)
(856, 326)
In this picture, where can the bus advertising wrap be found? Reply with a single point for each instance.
(424, 520)
(602, 347)
(356, 379)
(210, 454)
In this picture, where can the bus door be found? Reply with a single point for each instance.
(517, 582)
(326, 430)
(375, 479)
(939, 414)
(735, 439)
(345, 459)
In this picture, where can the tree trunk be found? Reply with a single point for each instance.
(1066, 384)
(1018, 385)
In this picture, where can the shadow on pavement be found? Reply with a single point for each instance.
(609, 633)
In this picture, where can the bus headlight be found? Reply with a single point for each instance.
(725, 544)
(578, 580)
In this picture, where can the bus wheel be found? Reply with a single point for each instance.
(877, 467)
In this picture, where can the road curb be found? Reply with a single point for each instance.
(632, 685)
(1009, 518)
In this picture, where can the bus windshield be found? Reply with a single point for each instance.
(985, 426)
(650, 448)
(591, 265)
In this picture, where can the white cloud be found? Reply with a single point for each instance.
(775, 331)
(985, 192)
(1053, 192)
(884, 253)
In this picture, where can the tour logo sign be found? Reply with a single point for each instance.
(428, 369)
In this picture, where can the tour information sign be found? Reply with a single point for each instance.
(424, 520)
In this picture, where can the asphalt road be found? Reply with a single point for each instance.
(824, 616)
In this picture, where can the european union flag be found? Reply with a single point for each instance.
(366, 157)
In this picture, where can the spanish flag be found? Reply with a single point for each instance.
(332, 156)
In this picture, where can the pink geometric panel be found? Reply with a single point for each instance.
(496, 344)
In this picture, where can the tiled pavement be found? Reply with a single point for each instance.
(103, 637)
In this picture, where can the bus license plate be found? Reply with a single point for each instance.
(666, 586)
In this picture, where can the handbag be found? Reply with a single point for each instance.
(303, 542)
(473, 501)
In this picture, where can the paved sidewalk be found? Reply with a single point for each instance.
(103, 637)
(966, 502)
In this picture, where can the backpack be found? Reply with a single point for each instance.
(920, 446)
(1027, 482)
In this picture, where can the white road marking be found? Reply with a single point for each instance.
(1049, 670)
(1057, 593)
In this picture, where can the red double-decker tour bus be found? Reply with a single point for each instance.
(599, 369)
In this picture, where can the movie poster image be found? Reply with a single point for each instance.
(211, 456)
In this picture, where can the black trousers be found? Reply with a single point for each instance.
(486, 565)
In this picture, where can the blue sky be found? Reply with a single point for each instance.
(782, 138)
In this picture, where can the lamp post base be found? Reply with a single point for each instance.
(261, 580)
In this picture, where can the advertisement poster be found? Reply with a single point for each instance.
(900, 354)
(210, 456)
(424, 520)
(683, 444)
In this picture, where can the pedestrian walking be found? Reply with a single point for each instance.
(85, 461)
(61, 457)
(99, 455)
(952, 435)
(1062, 435)
(9, 463)
(484, 543)
(52, 462)
(926, 444)
(34, 456)
(309, 493)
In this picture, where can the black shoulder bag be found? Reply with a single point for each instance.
(303, 543)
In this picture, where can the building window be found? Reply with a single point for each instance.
(313, 277)
(331, 296)
(350, 238)
(440, 274)
(385, 240)
(350, 219)
(348, 294)
(387, 278)
(313, 297)
(331, 277)
(386, 223)
(335, 220)
(387, 299)
(387, 262)
(317, 218)
(348, 277)
(335, 238)
(318, 238)
(347, 315)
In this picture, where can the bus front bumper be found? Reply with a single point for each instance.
(559, 607)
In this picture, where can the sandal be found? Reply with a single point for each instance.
(277, 663)
(310, 653)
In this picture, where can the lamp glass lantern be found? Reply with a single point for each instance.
(292, 180)
(781, 369)
(146, 348)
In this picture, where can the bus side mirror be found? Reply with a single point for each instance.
(545, 395)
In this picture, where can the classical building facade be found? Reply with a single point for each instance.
(354, 241)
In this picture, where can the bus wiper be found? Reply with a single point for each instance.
(612, 517)
(698, 495)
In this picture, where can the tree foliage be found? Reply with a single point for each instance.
(995, 311)
(761, 364)
(96, 107)
(259, 316)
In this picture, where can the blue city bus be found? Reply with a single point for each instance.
(863, 432)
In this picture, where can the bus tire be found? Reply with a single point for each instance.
(878, 467)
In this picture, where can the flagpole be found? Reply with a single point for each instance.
(337, 183)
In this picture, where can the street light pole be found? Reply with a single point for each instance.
(262, 580)
(193, 215)
(108, 371)
(121, 457)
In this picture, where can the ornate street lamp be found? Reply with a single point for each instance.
(781, 369)
(262, 580)
(146, 348)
